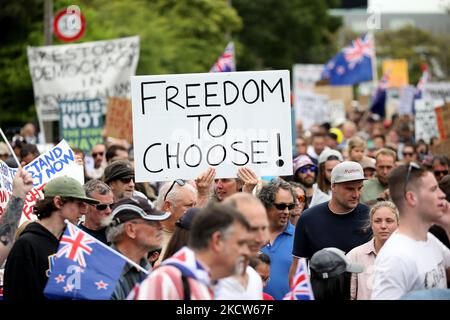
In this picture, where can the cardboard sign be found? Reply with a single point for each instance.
(441, 149)
(443, 120)
(81, 123)
(59, 161)
(183, 124)
(118, 119)
(425, 121)
(397, 70)
(81, 71)
(344, 93)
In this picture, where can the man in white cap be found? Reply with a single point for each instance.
(337, 223)
(328, 159)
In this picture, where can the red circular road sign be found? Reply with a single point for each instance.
(69, 24)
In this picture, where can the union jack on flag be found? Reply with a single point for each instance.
(301, 287)
(358, 49)
(74, 245)
(226, 62)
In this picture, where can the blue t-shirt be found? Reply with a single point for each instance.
(280, 263)
(318, 227)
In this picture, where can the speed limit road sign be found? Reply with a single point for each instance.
(69, 24)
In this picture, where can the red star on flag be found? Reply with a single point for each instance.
(60, 278)
(68, 287)
(101, 285)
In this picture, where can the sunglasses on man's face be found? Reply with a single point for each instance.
(283, 206)
(95, 154)
(305, 169)
(103, 206)
(440, 172)
(126, 180)
(408, 154)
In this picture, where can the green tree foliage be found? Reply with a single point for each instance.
(416, 46)
(176, 37)
(278, 33)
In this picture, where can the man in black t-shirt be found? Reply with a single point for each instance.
(337, 223)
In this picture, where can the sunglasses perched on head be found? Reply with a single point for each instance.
(180, 182)
(412, 165)
(283, 206)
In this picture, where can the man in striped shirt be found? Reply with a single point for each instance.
(217, 247)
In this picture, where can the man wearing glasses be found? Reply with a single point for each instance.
(95, 215)
(336, 223)
(278, 198)
(175, 197)
(119, 175)
(98, 155)
(413, 259)
(134, 229)
(440, 167)
(305, 172)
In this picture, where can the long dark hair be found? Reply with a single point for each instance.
(178, 240)
(332, 289)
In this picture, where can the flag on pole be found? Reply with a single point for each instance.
(226, 62)
(301, 287)
(353, 64)
(83, 268)
(421, 83)
(378, 104)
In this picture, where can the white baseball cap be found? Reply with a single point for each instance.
(347, 171)
(328, 153)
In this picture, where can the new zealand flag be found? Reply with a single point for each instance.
(353, 64)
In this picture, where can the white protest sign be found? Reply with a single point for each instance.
(425, 121)
(81, 71)
(312, 108)
(59, 161)
(183, 124)
(436, 91)
(304, 76)
(337, 112)
(406, 99)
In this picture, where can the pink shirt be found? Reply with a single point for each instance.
(361, 283)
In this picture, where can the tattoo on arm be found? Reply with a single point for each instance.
(10, 220)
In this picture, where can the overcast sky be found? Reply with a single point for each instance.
(416, 6)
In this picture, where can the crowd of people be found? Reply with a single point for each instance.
(367, 206)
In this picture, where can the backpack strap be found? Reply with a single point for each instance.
(186, 287)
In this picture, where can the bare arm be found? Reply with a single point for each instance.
(9, 221)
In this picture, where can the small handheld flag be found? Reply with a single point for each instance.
(301, 287)
(83, 268)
